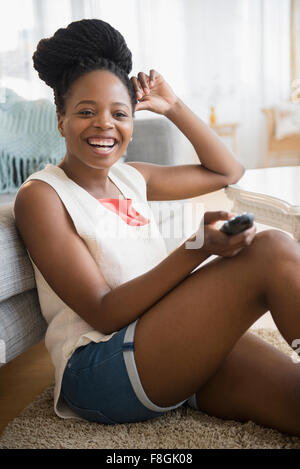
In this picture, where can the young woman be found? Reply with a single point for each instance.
(134, 332)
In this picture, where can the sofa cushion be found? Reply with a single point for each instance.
(157, 140)
(21, 324)
(16, 272)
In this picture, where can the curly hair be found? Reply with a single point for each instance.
(82, 47)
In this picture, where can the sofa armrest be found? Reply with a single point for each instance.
(16, 273)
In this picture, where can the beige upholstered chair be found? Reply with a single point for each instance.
(283, 147)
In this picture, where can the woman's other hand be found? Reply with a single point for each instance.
(153, 93)
(215, 242)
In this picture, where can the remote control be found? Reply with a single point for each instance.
(238, 224)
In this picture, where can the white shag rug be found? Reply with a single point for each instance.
(37, 427)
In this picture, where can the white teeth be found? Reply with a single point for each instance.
(104, 142)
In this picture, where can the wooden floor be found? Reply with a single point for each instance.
(22, 380)
(28, 375)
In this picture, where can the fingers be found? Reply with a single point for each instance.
(152, 77)
(138, 91)
(242, 239)
(212, 217)
(217, 242)
(143, 83)
(235, 243)
(227, 246)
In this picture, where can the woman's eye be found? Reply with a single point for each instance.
(85, 113)
(88, 113)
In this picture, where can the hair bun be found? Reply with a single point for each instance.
(80, 41)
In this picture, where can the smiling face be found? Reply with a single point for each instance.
(98, 121)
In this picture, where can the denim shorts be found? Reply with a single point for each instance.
(101, 382)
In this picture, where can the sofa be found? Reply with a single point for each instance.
(22, 325)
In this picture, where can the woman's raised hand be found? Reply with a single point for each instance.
(215, 242)
(153, 93)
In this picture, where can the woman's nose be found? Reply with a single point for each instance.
(103, 120)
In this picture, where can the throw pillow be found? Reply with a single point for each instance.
(287, 120)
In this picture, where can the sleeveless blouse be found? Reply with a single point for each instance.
(123, 238)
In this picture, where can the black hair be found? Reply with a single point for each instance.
(82, 47)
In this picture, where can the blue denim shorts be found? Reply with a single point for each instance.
(101, 382)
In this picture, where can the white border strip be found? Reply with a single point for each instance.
(134, 376)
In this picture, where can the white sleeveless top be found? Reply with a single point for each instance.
(121, 251)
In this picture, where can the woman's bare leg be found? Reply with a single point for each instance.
(255, 382)
(183, 340)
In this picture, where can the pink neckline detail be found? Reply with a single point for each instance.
(125, 210)
(113, 198)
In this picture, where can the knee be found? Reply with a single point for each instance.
(275, 245)
(274, 237)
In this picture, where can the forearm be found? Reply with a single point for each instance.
(212, 153)
(125, 303)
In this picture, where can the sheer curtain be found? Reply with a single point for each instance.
(231, 54)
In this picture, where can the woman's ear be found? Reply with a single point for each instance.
(60, 124)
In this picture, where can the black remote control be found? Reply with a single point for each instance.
(238, 224)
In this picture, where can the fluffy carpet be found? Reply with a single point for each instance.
(37, 427)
